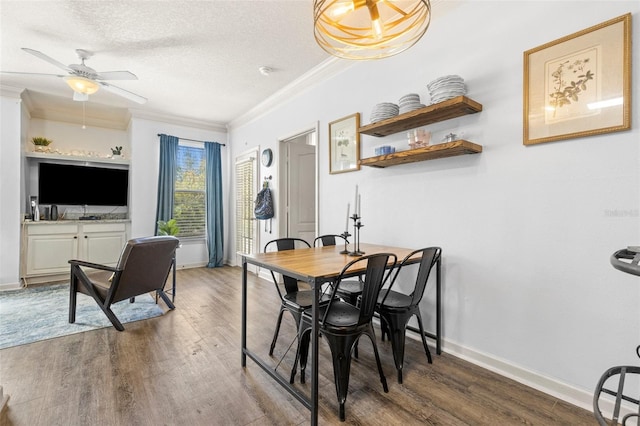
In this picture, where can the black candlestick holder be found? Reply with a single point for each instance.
(346, 236)
(356, 235)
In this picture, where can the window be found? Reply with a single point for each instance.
(190, 191)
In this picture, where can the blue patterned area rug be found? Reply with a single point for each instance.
(39, 313)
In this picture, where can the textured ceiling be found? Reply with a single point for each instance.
(196, 60)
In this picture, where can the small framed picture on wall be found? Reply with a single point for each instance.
(344, 144)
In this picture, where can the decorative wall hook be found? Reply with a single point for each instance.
(265, 183)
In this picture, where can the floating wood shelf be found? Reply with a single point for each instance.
(432, 152)
(435, 113)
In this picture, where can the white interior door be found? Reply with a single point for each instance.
(299, 186)
(301, 191)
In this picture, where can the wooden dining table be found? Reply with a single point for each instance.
(315, 266)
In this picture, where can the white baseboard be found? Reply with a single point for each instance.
(192, 265)
(265, 274)
(197, 265)
(578, 397)
(10, 286)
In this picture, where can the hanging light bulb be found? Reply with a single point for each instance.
(369, 29)
(376, 23)
(342, 8)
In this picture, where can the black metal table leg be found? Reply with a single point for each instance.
(173, 287)
(314, 353)
(243, 360)
(438, 306)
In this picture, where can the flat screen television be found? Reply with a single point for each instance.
(82, 185)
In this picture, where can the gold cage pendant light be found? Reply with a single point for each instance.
(369, 29)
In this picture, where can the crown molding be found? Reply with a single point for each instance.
(325, 71)
(179, 121)
(11, 91)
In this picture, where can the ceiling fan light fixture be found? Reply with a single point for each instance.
(80, 97)
(369, 29)
(82, 85)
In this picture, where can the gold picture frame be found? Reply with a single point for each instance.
(579, 85)
(344, 144)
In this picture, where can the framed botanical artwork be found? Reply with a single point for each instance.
(344, 144)
(579, 85)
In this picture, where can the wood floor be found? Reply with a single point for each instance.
(183, 368)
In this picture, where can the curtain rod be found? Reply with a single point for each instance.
(195, 140)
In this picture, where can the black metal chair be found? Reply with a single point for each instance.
(396, 309)
(329, 240)
(292, 299)
(613, 388)
(349, 290)
(143, 267)
(612, 383)
(342, 324)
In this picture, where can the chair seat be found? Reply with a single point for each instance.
(342, 315)
(394, 299)
(99, 280)
(351, 287)
(303, 299)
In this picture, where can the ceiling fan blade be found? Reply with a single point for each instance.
(116, 75)
(31, 73)
(48, 59)
(122, 92)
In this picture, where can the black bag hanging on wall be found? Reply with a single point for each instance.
(264, 205)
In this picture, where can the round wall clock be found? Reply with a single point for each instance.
(267, 157)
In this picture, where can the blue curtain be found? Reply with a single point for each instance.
(166, 178)
(214, 204)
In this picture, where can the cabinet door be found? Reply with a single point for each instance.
(102, 243)
(50, 254)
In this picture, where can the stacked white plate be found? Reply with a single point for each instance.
(409, 103)
(384, 110)
(446, 87)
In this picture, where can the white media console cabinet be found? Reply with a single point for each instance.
(47, 246)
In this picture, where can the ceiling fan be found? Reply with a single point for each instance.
(85, 80)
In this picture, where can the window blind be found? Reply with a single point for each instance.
(245, 196)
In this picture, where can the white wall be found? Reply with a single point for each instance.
(72, 138)
(526, 232)
(143, 175)
(10, 150)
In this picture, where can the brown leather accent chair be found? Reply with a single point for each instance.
(143, 267)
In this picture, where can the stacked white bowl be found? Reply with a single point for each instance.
(383, 111)
(446, 87)
(409, 102)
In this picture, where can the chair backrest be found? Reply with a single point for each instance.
(145, 264)
(281, 244)
(329, 240)
(379, 267)
(430, 256)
